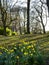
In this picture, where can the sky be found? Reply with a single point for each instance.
(24, 5)
(20, 2)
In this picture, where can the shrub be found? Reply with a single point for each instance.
(14, 33)
(1, 31)
(8, 31)
(26, 32)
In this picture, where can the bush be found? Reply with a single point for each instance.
(8, 31)
(1, 31)
(14, 33)
(26, 32)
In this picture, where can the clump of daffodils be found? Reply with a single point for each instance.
(17, 57)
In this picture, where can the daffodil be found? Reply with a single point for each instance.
(33, 49)
(25, 53)
(17, 57)
(0, 53)
(21, 50)
(25, 43)
(23, 47)
(20, 44)
(28, 47)
(32, 46)
(31, 54)
(11, 51)
(15, 48)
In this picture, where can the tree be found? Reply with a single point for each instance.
(24, 10)
(47, 4)
(3, 15)
(39, 13)
(28, 18)
(5, 8)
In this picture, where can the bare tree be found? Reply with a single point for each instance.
(5, 8)
(3, 15)
(39, 13)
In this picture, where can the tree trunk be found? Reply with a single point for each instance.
(42, 20)
(0, 3)
(43, 29)
(28, 18)
(4, 16)
(4, 24)
(24, 27)
(43, 26)
(47, 5)
(20, 28)
(24, 22)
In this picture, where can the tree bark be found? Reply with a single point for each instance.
(4, 23)
(42, 21)
(47, 5)
(4, 16)
(24, 22)
(28, 18)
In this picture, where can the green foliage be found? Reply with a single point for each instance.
(22, 53)
(26, 32)
(39, 60)
(14, 33)
(8, 31)
(1, 31)
(36, 59)
(17, 51)
(31, 60)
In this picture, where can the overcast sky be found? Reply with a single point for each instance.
(47, 26)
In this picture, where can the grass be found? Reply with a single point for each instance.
(40, 41)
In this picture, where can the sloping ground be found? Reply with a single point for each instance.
(27, 38)
(41, 41)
